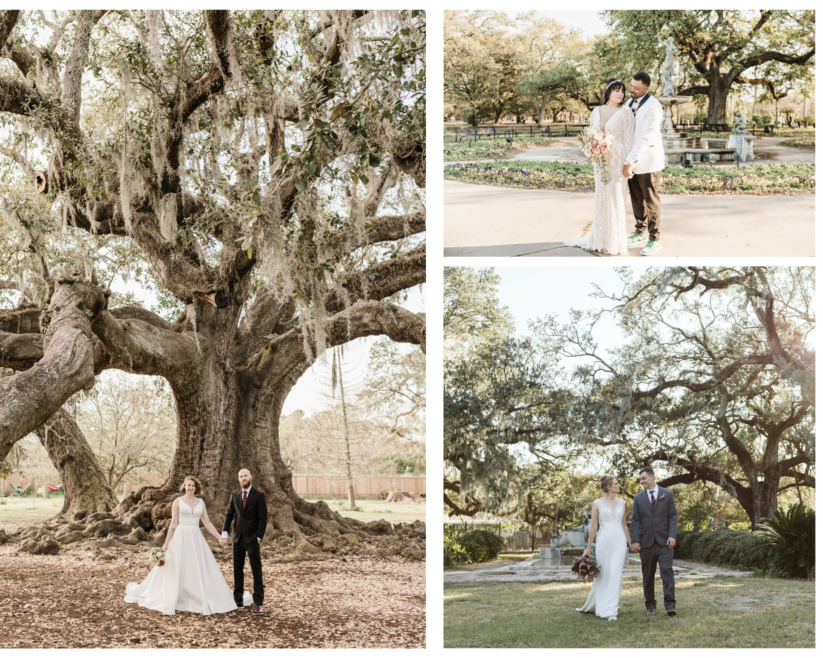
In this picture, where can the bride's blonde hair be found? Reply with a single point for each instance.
(606, 482)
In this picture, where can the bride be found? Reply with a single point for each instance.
(190, 580)
(608, 231)
(613, 539)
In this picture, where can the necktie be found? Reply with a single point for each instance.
(244, 499)
(651, 497)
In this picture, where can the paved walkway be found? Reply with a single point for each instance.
(481, 220)
(509, 572)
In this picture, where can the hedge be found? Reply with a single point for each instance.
(726, 547)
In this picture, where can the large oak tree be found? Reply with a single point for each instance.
(264, 171)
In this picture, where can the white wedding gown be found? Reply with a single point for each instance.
(608, 229)
(604, 597)
(190, 581)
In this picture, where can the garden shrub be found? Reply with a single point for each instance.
(791, 536)
(728, 547)
(481, 545)
(453, 553)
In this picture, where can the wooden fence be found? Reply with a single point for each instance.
(310, 485)
(365, 486)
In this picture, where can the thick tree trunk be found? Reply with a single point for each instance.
(31, 397)
(84, 482)
(227, 421)
(719, 86)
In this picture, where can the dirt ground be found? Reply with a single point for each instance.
(75, 599)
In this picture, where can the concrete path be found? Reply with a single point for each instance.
(494, 573)
(481, 220)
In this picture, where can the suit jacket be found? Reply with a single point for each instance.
(647, 149)
(249, 522)
(654, 524)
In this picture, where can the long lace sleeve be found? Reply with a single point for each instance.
(627, 130)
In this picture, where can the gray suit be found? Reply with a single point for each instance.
(652, 524)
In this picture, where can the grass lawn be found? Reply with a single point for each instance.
(28, 510)
(373, 510)
(492, 149)
(717, 612)
(805, 143)
(765, 179)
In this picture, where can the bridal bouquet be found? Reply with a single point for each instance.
(596, 144)
(157, 557)
(586, 568)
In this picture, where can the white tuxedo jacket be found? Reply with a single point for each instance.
(647, 149)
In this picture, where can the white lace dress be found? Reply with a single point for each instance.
(191, 579)
(610, 554)
(608, 231)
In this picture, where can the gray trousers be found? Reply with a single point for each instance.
(649, 559)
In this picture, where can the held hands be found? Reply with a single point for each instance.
(224, 541)
(636, 547)
(627, 171)
(670, 542)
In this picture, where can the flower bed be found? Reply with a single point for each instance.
(761, 180)
(806, 143)
(491, 150)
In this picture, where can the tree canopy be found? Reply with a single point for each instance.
(259, 173)
(713, 382)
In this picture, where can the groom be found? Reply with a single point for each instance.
(644, 164)
(247, 508)
(654, 528)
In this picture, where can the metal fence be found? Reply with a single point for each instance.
(480, 133)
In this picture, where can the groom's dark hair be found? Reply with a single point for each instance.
(648, 470)
(646, 80)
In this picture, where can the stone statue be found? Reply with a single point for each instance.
(587, 523)
(739, 127)
(667, 72)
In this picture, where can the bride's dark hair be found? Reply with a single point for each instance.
(606, 481)
(612, 85)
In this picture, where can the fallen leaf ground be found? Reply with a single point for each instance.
(75, 599)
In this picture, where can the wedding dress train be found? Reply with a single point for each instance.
(608, 231)
(611, 548)
(191, 580)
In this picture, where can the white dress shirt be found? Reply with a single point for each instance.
(653, 493)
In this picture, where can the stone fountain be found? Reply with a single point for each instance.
(677, 145)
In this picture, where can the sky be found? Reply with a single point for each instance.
(562, 289)
(588, 22)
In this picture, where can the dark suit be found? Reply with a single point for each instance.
(652, 525)
(249, 528)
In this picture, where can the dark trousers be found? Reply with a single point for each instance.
(239, 554)
(649, 559)
(646, 202)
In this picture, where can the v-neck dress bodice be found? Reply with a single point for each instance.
(191, 580)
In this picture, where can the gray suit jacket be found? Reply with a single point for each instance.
(654, 524)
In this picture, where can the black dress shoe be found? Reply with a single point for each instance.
(671, 612)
